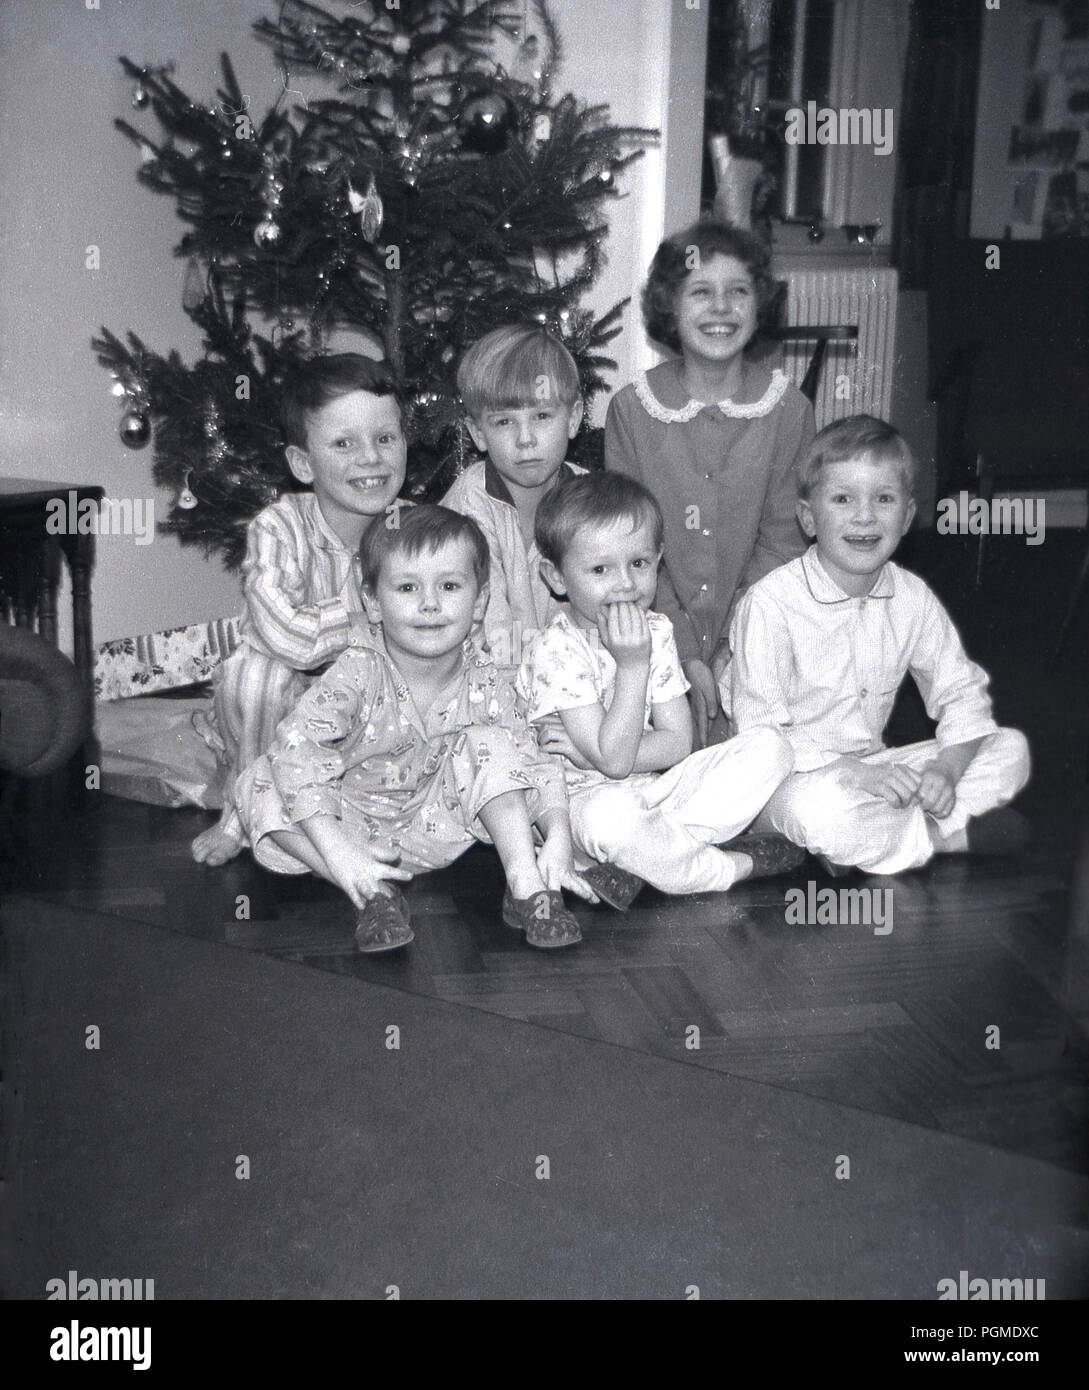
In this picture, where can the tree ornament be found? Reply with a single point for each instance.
(140, 96)
(266, 234)
(135, 429)
(186, 500)
(486, 121)
(528, 64)
(147, 154)
(370, 210)
(281, 250)
(196, 284)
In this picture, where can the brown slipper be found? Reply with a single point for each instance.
(545, 920)
(770, 854)
(383, 924)
(612, 885)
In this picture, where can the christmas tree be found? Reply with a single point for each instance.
(440, 190)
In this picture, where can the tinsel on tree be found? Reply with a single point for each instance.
(439, 190)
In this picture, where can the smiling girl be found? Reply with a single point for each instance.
(716, 437)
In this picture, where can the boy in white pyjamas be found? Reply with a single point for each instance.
(820, 648)
(641, 802)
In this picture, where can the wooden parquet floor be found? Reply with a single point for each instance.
(895, 1024)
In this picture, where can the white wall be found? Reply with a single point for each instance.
(69, 182)
(654, 78)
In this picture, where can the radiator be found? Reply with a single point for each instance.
(865, 299)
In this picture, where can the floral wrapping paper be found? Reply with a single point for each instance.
(182, 656)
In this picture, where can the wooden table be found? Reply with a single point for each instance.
(30, 562)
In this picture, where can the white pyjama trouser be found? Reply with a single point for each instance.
(664, 826)
(850, 826)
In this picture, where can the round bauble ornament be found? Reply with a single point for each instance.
(186, 500)
(486, 121)
(400, 43)
(135, 429)
(266, 234)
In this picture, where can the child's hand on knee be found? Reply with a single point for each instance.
(895, 783)
(937, 791)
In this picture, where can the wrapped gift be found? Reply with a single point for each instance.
(162, 660)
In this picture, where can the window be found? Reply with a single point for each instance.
(766, 58)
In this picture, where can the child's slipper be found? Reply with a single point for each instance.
(612, 885)
(770, 854)
(554, 926)
(383, 924)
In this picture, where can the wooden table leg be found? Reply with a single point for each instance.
(27, 569)
(81, 559)
(80, 552)
(48, 584)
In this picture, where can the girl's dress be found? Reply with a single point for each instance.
(726, 479)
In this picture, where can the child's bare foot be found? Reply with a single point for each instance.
(215, 846)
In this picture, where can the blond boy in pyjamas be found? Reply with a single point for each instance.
(520, 389)
(820, 648)
(643, 805)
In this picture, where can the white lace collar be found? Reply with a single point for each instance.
(748, 410)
